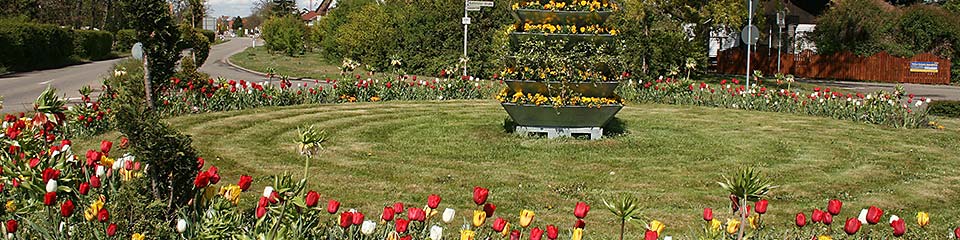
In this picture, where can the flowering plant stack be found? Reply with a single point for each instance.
(563, 71)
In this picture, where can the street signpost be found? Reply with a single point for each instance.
(470, 6)
(750, 32)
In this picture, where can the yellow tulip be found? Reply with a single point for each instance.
(479, 216)
(467, 234)
(923, 219)
(577, 234)
(716, 225)
(231, 193)
(11, 206)
(824, 237)
(393, 236)
(733, 226)
(754, 222)
(526, 217)
(657, 226)
(91, 213)
(506, 230)
(137, 236)
(106, 162)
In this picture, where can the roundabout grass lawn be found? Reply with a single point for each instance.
(671, 159)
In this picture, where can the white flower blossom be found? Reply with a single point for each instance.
(368, 227)
(267, 191)
(436, 232)
(51, 185)
(448, 215)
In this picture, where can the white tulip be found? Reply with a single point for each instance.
(863, 216)
(52, 185)
(100, 171)
(668, 238)
(436, 232)
(267, 191)
(367, 227)
(448, 215)
(181, 225)
(894, 218)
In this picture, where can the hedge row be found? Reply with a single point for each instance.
(93, 45)
(29, 46)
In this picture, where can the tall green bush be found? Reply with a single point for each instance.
(93, 45)
(125, 40)
(285, 34)
(31, 46)
(864, 27)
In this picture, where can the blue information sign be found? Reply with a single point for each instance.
(924, 67)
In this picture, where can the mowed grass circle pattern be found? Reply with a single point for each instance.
(670, 158)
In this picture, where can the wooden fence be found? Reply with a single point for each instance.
(881, 67)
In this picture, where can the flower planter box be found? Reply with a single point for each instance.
(587, 89)
(564, 116)
(535, 16)
(517, 37)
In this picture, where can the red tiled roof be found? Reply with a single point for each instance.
(309, 16)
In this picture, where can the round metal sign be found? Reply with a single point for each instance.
(137, 51)
(753, 37)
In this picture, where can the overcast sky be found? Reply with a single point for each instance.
(242, 8)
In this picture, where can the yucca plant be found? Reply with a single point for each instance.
(748, 185)
(625, 210)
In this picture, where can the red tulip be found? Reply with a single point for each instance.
(213, 174)
(707, 214)
(401, 225)
(346, 218)
(312, 198)
(416, 214)
(536, 233)
(387, 214)
(650, 235)
(480, 196)
(50, 198)
(874, 214)
(827, 218)
(398, 208)
(112, 230)
(852, 226)
(244, 182)
(66, 209)
(489, 208)
(50, 174)
(95, 181)
(84, 188)
(833, 207)
(11, 226)
(761, 206)
(200, 162)
(124, 143)
(433, 201)
(581, 210)
(65, 142)
(92, 157)
(333, 206)
(103, 215)
(357, 218)
(579, 224)
(956, 232)
(261, 211)
(817, 216)
(263, 202)
(734, 203)
(899, 227)
(499, 224)
(515, 235)
(202, 180)
(801, 220)
(552, 232)
(105, 147)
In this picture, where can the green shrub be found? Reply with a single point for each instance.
(125, 40)
(211, 35)
(197, 40)
(31, 46)
(945, 108)
(285, 34)
(93, 45)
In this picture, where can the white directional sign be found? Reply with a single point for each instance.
(466, 21)
(480, 3)
(473, 8)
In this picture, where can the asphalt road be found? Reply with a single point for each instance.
(19, 90)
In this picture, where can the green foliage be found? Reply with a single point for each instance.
(653, 42)
(197, 40)
(285, 34)
(171, 158)
(945, 108)
(155, 29)
(93, 45)
(126, 38)
(31, 46)
(863, 27)
(210, 34)
(237, 23)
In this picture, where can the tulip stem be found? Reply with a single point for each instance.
(623, 223)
